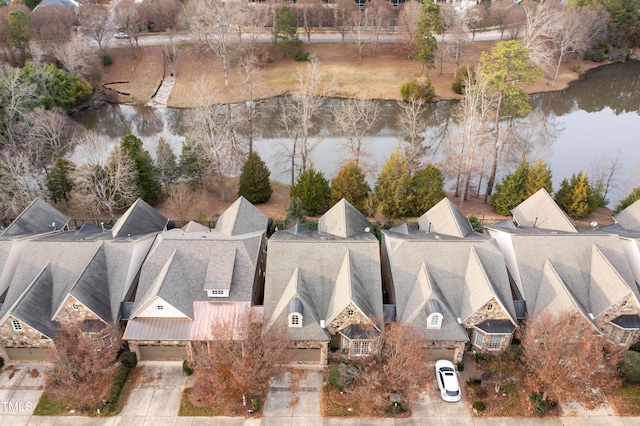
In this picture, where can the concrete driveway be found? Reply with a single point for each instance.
(294, 398)
(156, 398)
(21, 385)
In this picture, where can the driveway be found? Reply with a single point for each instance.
(294, 398)
(20, 388)
(156, 397)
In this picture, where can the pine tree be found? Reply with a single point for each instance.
(295, 211)
(393, 190)
(510, 192)
(313, 189)
(575, 196)
(539, 177)
(59, 181)
(166, 164)
(285, 33)
(427, 186)
(147, 174)
(628, 200)
(194, 163)
(350, 183)
(254, 180)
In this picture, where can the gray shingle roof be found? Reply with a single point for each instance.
(139, 219)
(242, 217)
(38, 218)
(497, 326)
(326, 272)
(181, 266)
(629, 218)
(343, 220)
(541, 211)
(444, 218)
(627, 321)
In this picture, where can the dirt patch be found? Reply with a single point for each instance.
(33, 373)
(376, 77)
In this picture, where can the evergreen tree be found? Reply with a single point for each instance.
(285, 33)
(350, 183)
(295, 211)
(147, 174)
(194, 164)
(575, 196)
(427, 187)
(539, 177)
(59, 181)
(510, 192)
(166, 164)
(475, 223)
(313, 189)
(628, 200)
(254, 180)
(429, 23)
(394, 195)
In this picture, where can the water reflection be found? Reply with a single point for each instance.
(595, 117)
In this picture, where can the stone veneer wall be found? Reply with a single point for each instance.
(343, 319)
(627, 306)
(67, 314)
(497, 313)
(27, 337)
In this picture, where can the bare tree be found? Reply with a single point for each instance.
(408, 23)
(530, 138)
(378, 15)
(541, 19)
(236, 364)
(412, 124)
(578, 29)
(94, 19)
(342, 16)
(83, 364)
(355, 118)
(500, 12)
(16, 98)
(301, 109)
(358, 31)
(308, 14)
(109, 187)
(53, 24)
(571, 362)
(214, 127)
(605, 172)
(76, 56)
(456, 26)
(19, 183)
(163, 14)
(475, 17)
(131, 20)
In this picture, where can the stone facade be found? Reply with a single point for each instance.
(627, 306)
(27, 337)
(344, 319)
(492, 310)
(68, 314)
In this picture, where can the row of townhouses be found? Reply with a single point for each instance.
(332, 290)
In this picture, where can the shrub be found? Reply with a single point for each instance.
(186, 369)
(539, 400)
(106, 60)
(254, 180)
(629, 367)
(635, 347)
(128, 359)
(313, 190)
(480, 356)
(418, 88)
(479, 406)
(460, 365)
(473, 382)
(396, 409)
(335, 377)
(301, 57)
(461, 78)
(255, 403)
(118, 383)
(475, 223)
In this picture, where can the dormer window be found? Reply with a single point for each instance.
(295, 319)
(74, 307)
(16, 325)
(434, 320)
(296, 310)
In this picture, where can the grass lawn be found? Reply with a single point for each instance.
(50, 407)
(187, 409)
(334, 403)
(626, 400)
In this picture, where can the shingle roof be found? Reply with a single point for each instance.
(242, 217)
(444, 218)
(541, 211)
(629, 218)
(326, 272)
(343, 220)
(39, 217)
(194, 226)
(139, 219)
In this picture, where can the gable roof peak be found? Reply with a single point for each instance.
(241, 217)
(343, 220)
(39, 217)
(444, 218)
(541, 211)
(139, 219)
(629, 218)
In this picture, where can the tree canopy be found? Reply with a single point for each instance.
(313, 190)
(576, 197)
(350, 183)
(147, 173)
(254, 180)
(393, 191)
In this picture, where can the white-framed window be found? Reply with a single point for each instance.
(159, 307)
(624, 336)
(295, 320)
(74, 306)
(16, 325)
(435, 320)
(350, 312)
(490, 307)
(360, 348)
(106, 340)
(495, 342)
(479, 339)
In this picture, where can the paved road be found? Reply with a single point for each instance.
(155, 402)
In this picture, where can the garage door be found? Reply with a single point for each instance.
(27, 354)
(159, 353)
(305, 355)
(434, 354)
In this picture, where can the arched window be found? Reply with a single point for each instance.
(434, 320)
(295, 320)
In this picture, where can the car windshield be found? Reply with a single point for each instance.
(452, 392)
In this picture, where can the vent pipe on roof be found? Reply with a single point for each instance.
(535, 221)
(459, 320)
(591, 315)
(322, 324)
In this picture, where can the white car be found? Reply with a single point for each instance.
(447, 379)
(122, 35)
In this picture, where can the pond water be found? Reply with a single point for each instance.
(597, 119)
